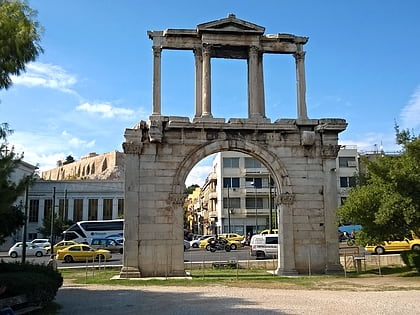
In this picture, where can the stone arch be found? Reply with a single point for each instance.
(279, 173)
(268, 158)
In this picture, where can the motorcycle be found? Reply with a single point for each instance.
(219, 244)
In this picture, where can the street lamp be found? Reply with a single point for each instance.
(228, 209)
(255, 202)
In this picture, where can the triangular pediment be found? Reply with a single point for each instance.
(231, 24)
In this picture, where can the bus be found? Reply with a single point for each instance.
(85, 231)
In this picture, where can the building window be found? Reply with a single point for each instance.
(78, 210)
(63, 208)
(230, 162)
(33, 210)
(347, 182)
(107, 209)
(253, 182)
(232, 203)
(231, 182)
(252, 163)
(120, 208)
(93, 209)
(47, 208)
(252, 203)
(343, 199)
(347, 161)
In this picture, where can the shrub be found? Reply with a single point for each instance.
(39, 283)
(411, 258)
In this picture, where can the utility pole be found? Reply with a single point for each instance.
(25, 224)
(270, 205)
(52, 222)
(228, 209)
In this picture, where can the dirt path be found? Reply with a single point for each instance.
(373, 295)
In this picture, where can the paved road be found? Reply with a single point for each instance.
(191, 255)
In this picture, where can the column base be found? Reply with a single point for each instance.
(332, 269)
(130, 272)
(286, 273)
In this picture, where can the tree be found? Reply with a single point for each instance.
(19, 39)
(387, 201)
(11, 215)
(59, 226)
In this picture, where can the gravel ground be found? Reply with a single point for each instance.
(89, 299)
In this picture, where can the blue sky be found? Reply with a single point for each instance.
(95, 76)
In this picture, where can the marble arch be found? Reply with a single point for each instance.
(300, 153)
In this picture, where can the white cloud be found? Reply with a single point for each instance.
(106, 110)
(198, 175)
(371, 142)
(46, 75)
(44, 150)
(410, 114)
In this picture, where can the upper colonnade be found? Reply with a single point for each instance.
(229, 38)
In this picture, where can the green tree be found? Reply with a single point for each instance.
(59, 226)
(11, 217)
(19, 39)
(387, 201)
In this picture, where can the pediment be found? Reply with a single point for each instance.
(231, 24)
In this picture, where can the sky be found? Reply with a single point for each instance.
(94, 78)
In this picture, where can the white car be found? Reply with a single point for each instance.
(196, 243)
(31, 250)
(41, 242)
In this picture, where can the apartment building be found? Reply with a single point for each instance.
(238, 196)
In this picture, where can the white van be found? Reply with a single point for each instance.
(265, 245)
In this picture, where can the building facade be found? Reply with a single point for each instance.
(90, 192)
(238, 196)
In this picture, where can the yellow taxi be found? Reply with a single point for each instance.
(394, 246)
(82, 252)
(232, 243)
(232, 236)
(61, 245)
(273, 231)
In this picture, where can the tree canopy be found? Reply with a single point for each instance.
(20, 36)
(11, 214)
(387, 201)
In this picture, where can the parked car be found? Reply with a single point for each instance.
(186, 245)
(41, 242)
(196, 243)
(31, 250)
(394, 246)
(264, 246)
(273, 231)
(61, 245)
(232, 236)
(82, 252)
(108, 244)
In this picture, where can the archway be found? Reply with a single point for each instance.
(300, 154)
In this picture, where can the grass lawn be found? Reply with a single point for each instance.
(389, 279)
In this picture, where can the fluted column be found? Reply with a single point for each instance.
(206, 95)
(198, 54)
(261, 97)
(301, 83)
(253, 84)
(157, 51)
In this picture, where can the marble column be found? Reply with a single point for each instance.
(157, 51)
(300, 83)
(206, 94)
(329, 155)
(261, 97)
(253, 83)
(198, 54)
(286, 249)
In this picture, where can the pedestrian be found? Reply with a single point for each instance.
(52, 262)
